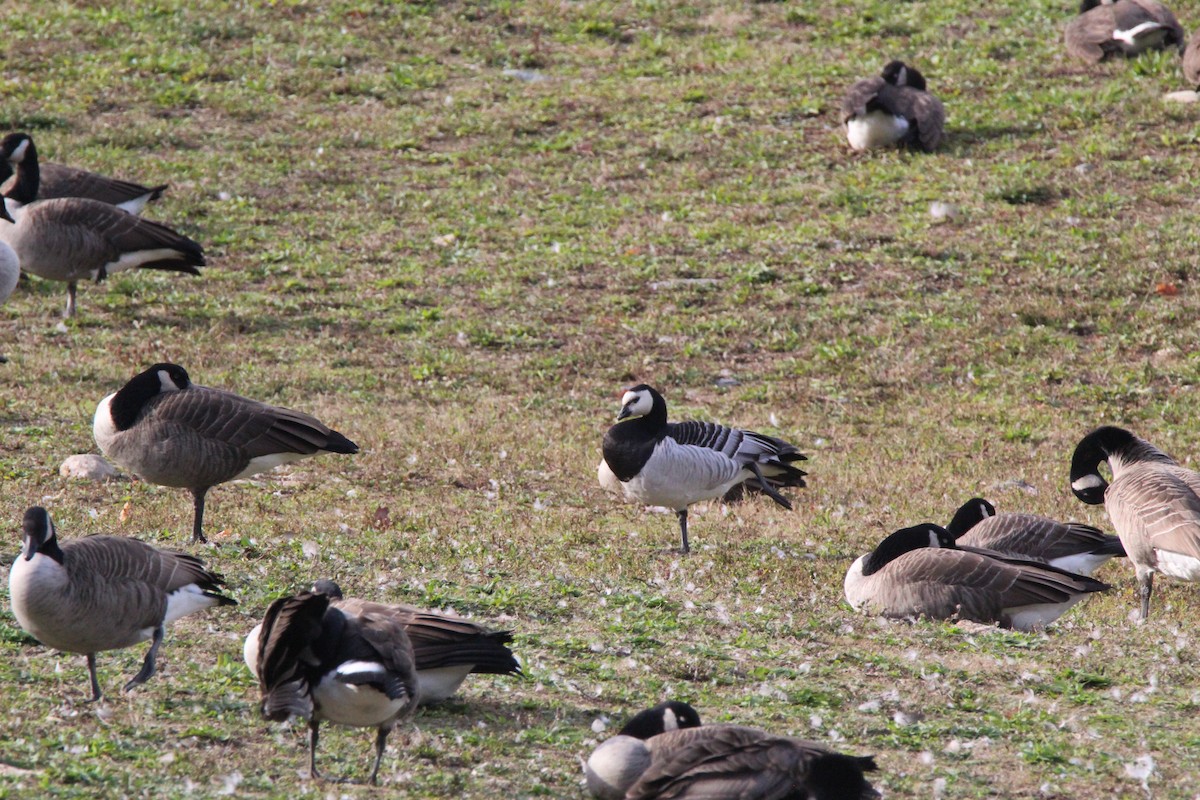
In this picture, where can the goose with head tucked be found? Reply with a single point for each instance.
(172, 432)
(327, 663)
(1104, 29)
(674, 464)
(918, 572)
(664, 753)
(1153, 502)
(1072, 546)
(104, 592)
(893, 109)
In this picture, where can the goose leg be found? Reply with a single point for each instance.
(147, 669)
(767, 488)
(198, 521)
(70, 312)
(683, 529)
(313, 735)
(1145, 586)
(380, 743)
(91, 662)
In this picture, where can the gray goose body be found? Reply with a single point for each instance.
(69, 239)
(446, 649)
(1191, 61)
(323, 662)
(893, 109)
(918, 572)
(1153, 502)
(694, 762)
(1071, 546)
(171, 432)
(658, 463)
(104, 592)
(60, 180)
(1123, 28)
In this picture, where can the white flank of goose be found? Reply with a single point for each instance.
(893, 109)
(659, 463)
(171, 432)
(104, 592)
(1153, 502)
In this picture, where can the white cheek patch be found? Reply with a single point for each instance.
(165, 382)
(18, 155)
(1092, 481)
(670, 721)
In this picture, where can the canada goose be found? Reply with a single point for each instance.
(445, 648)
(1153, 502)
(169, 431)
(649, 759)
(59, 180)
(675, 464)
(104, 592)
(70, 238)
(893, 109)
(918, 571)
(1067, 545)
(10, 270)
(324, 662)
(1105, 28)
(1191, 61)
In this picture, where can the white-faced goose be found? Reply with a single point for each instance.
(446, 649)
(69, 239)
(104, 592)
(893, 109)
(326, 663)
(1104, 29)
(169, 431)
(660, 463)
(664, 752)
(918, 572)
(1076, 548)
(1153, 502)
(59, 180)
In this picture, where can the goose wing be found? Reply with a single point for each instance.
(922, 110)
(383, 639)
(1156, 505)
(861, 97)
(1131, 13)
(60, 180)
(285, 658)
(1089, 36)
(128, 561)
(740, 445)
(1036, 536)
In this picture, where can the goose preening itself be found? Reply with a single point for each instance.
(104, 592)
(664, 752)
(446, 649)
(893, 109)
(1067, 545)
(59, 180)
(69, 239)
(918, 572)
(327, 663)
(1104, 29)
(675, 464)
(169, 431)
(1153, 502)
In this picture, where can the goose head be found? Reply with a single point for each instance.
(641, 401)
(37, 531)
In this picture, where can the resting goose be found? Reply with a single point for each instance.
(1071, 546)
(1191, 61)
(649, 759)
(71, 238)
(171, 432)
(675, 464)
(59, 180)
(893, 109)
(1153, 502)
(104, 592)
(1104, 29)
(326, 663)
(918, 572)
(445, 648)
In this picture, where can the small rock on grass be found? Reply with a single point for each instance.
(1186, 96)
(87, 466)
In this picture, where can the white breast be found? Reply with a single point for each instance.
(854, 584)
(103, 428)
(352, 704)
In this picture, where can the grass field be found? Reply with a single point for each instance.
(455, 231)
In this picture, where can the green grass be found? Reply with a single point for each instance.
(455, 230)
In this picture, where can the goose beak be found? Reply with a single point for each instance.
(4, 213)
(29, 550)
(625, 412)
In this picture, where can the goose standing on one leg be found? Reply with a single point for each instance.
(660, 463)
(1153, 502)
(104, 592)
(893, 109)
(59, 180)
(1104, 28)
(322, 662)
(1076, 548)
(446, 649)
(169, 431)
(71, 238)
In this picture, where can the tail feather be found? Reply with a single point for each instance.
(291, 699)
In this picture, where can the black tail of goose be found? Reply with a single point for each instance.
(660, 463)
(171, 432)
(104, 592)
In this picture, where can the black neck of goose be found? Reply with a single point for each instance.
(903, 541)
(970, 514)
(131, 398)
(1112, 442)
(50, 549)
(629, 443)
(29, 177)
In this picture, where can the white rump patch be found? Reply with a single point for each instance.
(1080, 563)
(355, 705)
(1028, 618)
(264, 463)
(876, 129)
(441, 683)
(137, 258)
(187, 600)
